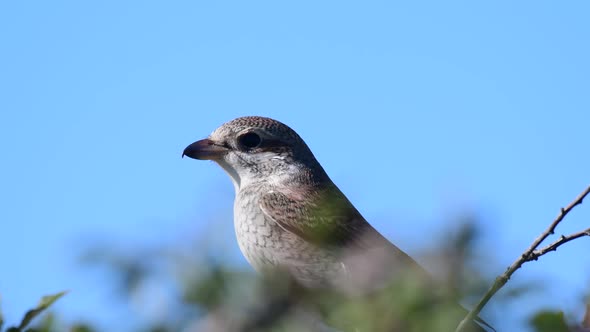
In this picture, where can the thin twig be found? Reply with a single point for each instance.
(525, 257)
(553, 246)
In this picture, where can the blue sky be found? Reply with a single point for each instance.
(416, 110)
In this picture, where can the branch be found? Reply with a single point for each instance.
(553, 246)
(530, 254)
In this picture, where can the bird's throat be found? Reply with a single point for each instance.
(233, 174)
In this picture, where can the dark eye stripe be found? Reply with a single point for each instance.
(272, 145)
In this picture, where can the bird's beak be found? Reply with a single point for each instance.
(204, 149)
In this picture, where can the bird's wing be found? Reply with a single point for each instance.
(325, 218)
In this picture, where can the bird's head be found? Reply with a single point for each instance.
(255, 149)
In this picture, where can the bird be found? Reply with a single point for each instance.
(289, 214)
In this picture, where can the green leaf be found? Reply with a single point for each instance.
(1, 320)
(45, 302)
(549, 321)
(81, 328)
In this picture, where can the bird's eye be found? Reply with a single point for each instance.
(249, 140)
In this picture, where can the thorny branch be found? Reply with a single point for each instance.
(532, 253)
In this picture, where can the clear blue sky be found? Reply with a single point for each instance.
(417, 110)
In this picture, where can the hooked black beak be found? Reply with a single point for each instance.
(204, 149)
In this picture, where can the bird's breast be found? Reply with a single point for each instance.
(266, 245)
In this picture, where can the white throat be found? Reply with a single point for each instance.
(233, 174)
(246, 178)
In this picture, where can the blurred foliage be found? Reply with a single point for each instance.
(43, 305)
(206, 295)
(548, 321)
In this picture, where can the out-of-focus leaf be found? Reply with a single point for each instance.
(586, 320)
(465, 238)
(45, 302)
(47, 324)
(209, 291)
(549, 321)
(82, 328)
(1, 317)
